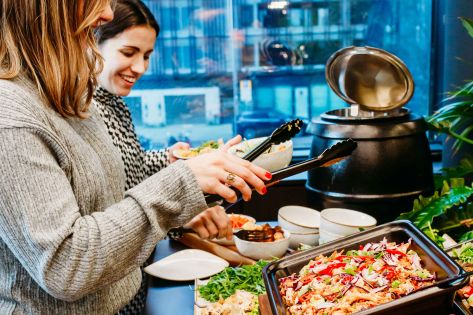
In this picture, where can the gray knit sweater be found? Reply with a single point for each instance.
(71, 240)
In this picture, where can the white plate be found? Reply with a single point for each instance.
(181, 153)
(187, 264)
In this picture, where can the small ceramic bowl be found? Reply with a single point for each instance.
(263, 250)
(342, 222)
(279, 157)
(311, 239)
(299, 219)
(326, 237)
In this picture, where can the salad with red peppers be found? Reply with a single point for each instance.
(344, 283)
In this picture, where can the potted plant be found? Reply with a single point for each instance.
(455, 119)
(450, 209)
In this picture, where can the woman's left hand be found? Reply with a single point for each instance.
(177, 146)
(212, 223)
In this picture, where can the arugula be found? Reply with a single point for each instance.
(225, 283)
(446, 210)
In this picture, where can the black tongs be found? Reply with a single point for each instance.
(283, 133)
(330, 156)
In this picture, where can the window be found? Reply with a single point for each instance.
(217, 62)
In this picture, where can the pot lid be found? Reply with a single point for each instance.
(370, 77)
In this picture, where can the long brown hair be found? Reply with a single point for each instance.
(52, 42)
(127, 14)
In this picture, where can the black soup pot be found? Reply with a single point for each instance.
(390, 168)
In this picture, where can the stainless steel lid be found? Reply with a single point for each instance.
(372, 78)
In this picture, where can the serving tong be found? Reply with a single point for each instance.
(249, 235)
(330, 156)
(283, 133)
(336, 153)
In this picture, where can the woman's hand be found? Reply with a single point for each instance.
(212, 223)
(177, 146)
(218, 170)
(230, 143)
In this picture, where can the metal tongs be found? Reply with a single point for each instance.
(330, 156)
(283, 133)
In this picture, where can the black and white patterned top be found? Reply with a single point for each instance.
(139, 164)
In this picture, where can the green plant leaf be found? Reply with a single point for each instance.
(464, 168)
(468, 24)
(467, 236)
(437, 207)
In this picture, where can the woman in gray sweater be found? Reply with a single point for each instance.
(71, 238)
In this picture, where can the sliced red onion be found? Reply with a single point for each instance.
(367, 247)
(378, 289)
(355, 280)
(391, 260)
(419, 279)
(415, 261)
(360, 287)
(325, 305)
(345, 290)
(369, 277)
(384, 242)
(375, 246)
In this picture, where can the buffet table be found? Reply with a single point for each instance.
(172, 297)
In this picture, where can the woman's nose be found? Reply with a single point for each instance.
(138, 66)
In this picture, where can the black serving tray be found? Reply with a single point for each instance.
(460, 308)
(434, 300)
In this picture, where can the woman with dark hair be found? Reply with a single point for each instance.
(126, 44)
(71, 238)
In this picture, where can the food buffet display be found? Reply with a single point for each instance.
(398, 267)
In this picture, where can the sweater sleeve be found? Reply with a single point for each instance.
(70, 254)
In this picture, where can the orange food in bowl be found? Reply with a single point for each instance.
(239, 220)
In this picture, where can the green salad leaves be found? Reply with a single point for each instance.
(225, 283)
(464, 253)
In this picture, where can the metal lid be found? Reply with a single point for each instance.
(370, 77)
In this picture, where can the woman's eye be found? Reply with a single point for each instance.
(127, 53)
(147, 57)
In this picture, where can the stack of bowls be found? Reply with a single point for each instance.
(338, 222)
(303, 223)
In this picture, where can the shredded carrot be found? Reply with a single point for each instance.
(238, 221)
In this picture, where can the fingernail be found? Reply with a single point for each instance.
(264, 190)
(268, 175)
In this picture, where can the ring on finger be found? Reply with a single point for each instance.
(231, 178)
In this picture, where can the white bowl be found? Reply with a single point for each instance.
(342, 222)
(263, 250)
(296, 239)
(299, 219)
(328, 237)
(279, 157)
